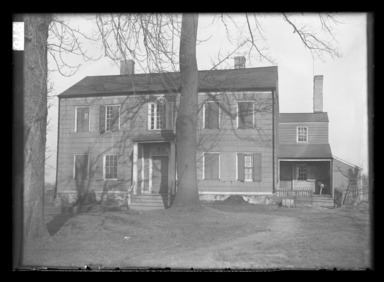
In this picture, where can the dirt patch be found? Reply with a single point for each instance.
(216, 236)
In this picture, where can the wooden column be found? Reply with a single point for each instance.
(134, 170)
(172, 166)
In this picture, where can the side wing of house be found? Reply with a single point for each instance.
(305, 157)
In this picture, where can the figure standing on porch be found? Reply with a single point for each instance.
(321, 184)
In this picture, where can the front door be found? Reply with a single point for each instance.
(159, 174)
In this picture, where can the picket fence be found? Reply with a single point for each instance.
(296, 198)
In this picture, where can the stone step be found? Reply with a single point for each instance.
(148, 202)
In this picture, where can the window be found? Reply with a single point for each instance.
(110, 167)
(211, 166)
(301, 172)
(81, 167)
(212, 115)
(82, 119)
(112, 117)
(245, 112)
(249, 167)
(160, 115)
(302, 134)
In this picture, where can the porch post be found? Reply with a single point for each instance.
(172, 167)
(134, 170)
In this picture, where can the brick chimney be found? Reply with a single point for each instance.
(127, 67)
(240, 62)
(318, 94)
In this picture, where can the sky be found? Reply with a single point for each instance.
(345, 78)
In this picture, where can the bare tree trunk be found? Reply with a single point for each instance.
(187, 189)
(35, 122)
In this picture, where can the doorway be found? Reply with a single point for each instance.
(160, 174)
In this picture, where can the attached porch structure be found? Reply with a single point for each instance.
(154, 166)
(306, 166)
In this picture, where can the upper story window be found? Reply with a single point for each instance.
(82, 119)
(109, 118)
(160, 115)
(245, 114)
(212, 115)
(302, 134)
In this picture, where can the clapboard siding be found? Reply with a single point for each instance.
(228, 140)
(317, 132)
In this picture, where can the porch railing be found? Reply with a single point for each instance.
(296, 198)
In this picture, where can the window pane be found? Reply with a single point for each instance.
(112, 117)
(248, 161)
(111, 166)
(82, 123)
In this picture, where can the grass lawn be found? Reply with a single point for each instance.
(219, 235)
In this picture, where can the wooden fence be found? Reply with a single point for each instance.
(350, 196)
(295, 198)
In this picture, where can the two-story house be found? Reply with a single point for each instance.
(117, 133)
(305, 157)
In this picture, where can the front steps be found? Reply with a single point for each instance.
(145, 202)
(322, 201)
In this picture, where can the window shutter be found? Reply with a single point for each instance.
(169, 115)
(149, 115)
(115, 118)
(211, 166)
(78, 121)
(240, 167)
(207, 113)
(257, 161)
(214, 121)
(102, 119)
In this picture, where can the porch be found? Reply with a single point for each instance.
(310, 175)
(153, 172)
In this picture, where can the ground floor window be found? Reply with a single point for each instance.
(110, 167)
(211, 166)
(81, 167)
(302, 172)
(249, 167)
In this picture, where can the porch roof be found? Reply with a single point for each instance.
(304, 151)
(156, 137)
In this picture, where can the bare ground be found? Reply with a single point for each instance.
(219, 235)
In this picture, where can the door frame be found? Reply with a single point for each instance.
(171, 165)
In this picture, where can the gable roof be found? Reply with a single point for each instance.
(303, 117)
(304, 151)
(264, 78)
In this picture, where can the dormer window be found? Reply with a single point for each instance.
(302, 134)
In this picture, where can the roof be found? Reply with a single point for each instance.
(305, 151)
(264, 78)
(157, 136)
(303, 117)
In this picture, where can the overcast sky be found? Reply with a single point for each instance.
(345, 78)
